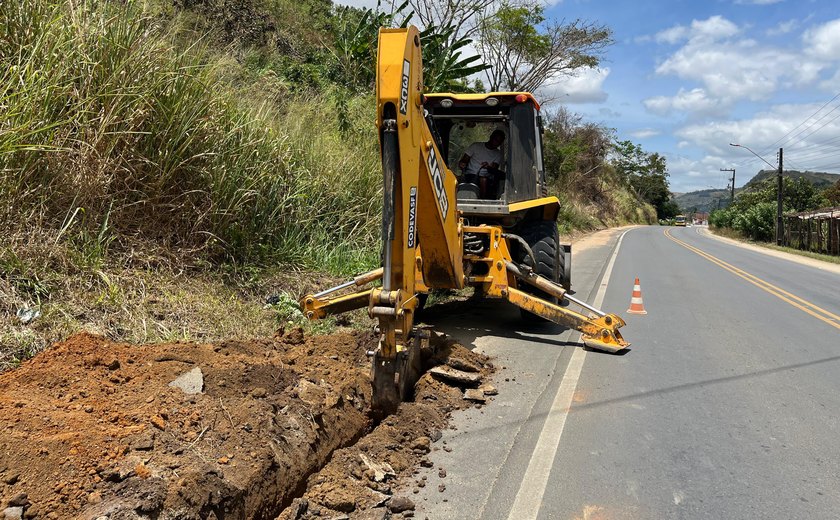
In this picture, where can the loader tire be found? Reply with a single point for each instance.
(543, 238)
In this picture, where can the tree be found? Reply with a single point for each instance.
(460, 15)
(523, 51)
(574, 151)
(753, 213)
(354, 49)
(444, 67)
(797, 195)
(647, 174)
(832, 194)
(757, 222)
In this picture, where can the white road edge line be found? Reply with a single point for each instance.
(531, 490)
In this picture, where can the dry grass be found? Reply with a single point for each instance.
(809, 254)
(142, 298)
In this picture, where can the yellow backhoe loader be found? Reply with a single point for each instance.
(494, 230)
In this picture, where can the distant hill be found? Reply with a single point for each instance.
(818, 179)
(707, 200)
(703, 200)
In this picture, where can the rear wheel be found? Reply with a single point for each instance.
(543, 238)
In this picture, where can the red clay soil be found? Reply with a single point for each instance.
(91, 429)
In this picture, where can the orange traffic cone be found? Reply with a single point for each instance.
(637, 306)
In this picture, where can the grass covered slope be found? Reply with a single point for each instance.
(152, 176)
(141, 186)
(112, 130)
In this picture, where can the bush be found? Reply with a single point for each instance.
(757, 222)
(722, 218)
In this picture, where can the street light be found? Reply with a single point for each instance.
(752, 152)
(779, 223)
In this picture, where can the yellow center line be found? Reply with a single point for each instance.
(801, 304)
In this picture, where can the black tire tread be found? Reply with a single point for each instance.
(543, 238)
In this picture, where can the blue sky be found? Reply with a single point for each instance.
(686, 78)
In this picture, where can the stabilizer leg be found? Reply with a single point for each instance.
(599, 333)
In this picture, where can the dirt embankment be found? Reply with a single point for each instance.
(235, 430)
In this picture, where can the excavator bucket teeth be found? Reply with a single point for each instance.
(409, 369)
(386, 397)
(394, 380)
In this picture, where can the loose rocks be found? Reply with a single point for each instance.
(400, 504)
(191, 382)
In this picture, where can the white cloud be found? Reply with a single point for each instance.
(830, 85)
(814, 145)
(644, 133)
(695, 101)
(730, 68)
(692, 174)
(586, 87)
(735, 70)
(672, 35)
(783, 28)
(608, 113)
(811, 145)
(714, 28)
(823, 41)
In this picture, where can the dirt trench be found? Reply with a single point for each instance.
(281, 427)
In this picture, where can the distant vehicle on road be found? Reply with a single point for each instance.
(679, 220)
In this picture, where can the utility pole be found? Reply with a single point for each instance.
(732, 197)
(779, 222)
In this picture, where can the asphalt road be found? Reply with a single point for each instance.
(726, 406)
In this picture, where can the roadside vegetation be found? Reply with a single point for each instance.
(753, 213)
(168, 168)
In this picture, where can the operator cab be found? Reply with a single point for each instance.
(460, 120)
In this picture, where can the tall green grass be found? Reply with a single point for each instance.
(111, 129)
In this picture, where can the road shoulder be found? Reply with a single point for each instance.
(803, 260)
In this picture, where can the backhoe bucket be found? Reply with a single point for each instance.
(394, 379)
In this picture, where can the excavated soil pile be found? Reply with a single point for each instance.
(235, 430)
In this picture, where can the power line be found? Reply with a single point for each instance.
(824, 167)
(788, 141)
(813, 156)
(819, 144)
(772, 145)
(821, 126)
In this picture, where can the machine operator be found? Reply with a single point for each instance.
(482, 160)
